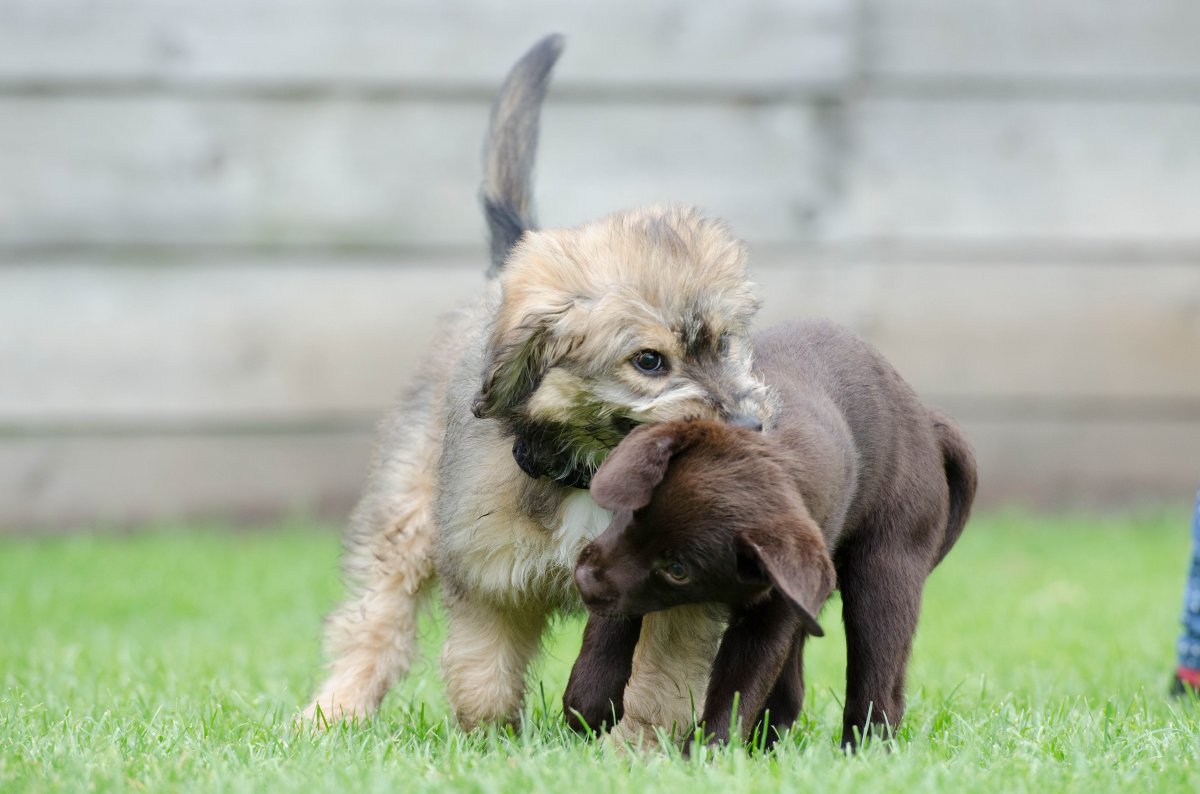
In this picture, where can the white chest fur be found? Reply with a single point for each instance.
(510, 556)
(582, 520)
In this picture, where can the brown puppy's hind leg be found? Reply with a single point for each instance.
(881, 599)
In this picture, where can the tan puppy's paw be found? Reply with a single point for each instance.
(632, 737)
(326, 711)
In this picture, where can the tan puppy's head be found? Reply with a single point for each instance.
(637, 318)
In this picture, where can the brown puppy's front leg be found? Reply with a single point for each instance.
(595, 694)
(787, 698)
(756, 645)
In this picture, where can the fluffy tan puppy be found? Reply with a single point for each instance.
(480, 473)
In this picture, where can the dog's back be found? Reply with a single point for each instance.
(907, 459)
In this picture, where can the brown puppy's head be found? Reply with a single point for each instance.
(637, 318)
(704, 512)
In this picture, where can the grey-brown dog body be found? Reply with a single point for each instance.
(853, 476)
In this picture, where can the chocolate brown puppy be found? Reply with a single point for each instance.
(852, 477)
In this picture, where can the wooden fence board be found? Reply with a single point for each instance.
(1023, 170)
(690, 42)
(347, 173)
(114, 482)
(240, 172)
(145, 343)
(1101, 40)
(316, 338)
(1068, 464)
(1036, 331)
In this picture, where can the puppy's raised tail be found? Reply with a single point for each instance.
(511, 146)
(959, 461)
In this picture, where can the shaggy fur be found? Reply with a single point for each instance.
(853, 465)
(525, 393)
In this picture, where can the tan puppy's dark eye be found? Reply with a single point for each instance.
(676, 572)
(649, 362)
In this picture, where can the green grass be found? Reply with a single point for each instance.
(176, 660)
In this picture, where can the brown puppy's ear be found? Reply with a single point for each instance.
(518, 356)
(794, 559)
(632, 471)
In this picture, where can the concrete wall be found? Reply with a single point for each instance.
(227, 226)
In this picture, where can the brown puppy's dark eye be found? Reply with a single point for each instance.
(649, 362)
(676, 572)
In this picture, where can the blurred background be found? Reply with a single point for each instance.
(227, 227)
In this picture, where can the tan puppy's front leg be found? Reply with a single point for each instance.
(487, 651)
(372, 636)
(374, 639)
(671, 666)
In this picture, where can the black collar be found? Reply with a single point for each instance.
(536, 463)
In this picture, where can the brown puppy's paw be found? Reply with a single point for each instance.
(589, 712)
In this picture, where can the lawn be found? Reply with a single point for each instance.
(175, 659)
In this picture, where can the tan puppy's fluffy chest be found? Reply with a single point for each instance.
(513, 556)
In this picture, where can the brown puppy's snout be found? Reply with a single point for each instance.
(594, 587)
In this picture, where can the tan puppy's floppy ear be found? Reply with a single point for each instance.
(632, 471)
(518, 356)
(796, 562)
